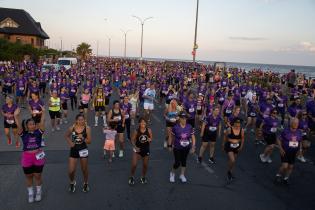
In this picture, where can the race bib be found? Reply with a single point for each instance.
(281, 105)
(84, 153)
(191, 110)
(117, 118)
(228, 111)
(21, 88)
(172, 119)
(221, 99)
(184, 142)
(304, 134)
(35, 111)
(40, 155)
(198, 107)
(85, 102)
(100, 100)
(10, 121)
(164, 91)
(212, 128)
(234, 145)
(273, 130)
(252, 114)
(73, 90)
(126, 116)
(293, 144)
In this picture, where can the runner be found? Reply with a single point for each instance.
(148, 105)
(78, 136)
(64, 97)
(141, 140)
(181, 142)
(84, 103)
(171, 116)
(117, 117)
(109, 144)
(306, 143)
(54, 111)
(21, 90)
(289, 143)
(99, 106)
(33, 158)
(134, 100)
(7, 111)
(126, 107)
(210, 129)
(232, 144)
(269, 126)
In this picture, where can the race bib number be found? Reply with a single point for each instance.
(184, 142)
(221, 99)
(35, 111)
(164, 92)
(117, 118)
(228, 111)
(85, 102)
(10, 121)
(252, 114)
(273, 130)
(172, 119)
(126, 116)
(304, 134)
(21, 88)
(198, 107)
(234, 145)
(84, 153)
(281, 105)
(100, 100)
(293, 144)
(40, 155)
(212, 128)
(73, 90)
(191, 110)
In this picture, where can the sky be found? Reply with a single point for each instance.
(252, 31)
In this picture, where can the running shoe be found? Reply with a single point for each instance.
(131, 181)
(211, 160)
(121, 154)
(263, 158)
(269, 159)
(262, 142)
(143, 180)
(58, 128)
(31, 198)
(96, 124)
(172, 177)
(52, 130)
(286, 181)
(38, 196)
(85, 188)
(72, 187)
(9, 141)
(229, 176)
(43, 144)
(65, 121)
(301, 158)
(182, 178)
(113, 154)
(60, 122)
(165, 144)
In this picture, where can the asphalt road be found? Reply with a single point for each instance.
(206, 188)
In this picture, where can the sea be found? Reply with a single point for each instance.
(308, 71)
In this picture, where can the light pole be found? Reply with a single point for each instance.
(125, 34)
(61, 44)
(97, 48)
(109, 39)
(195, 40)
(142, 23)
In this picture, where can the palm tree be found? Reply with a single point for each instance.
(84, 50)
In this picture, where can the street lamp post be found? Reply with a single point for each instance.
(109, 39)
(125, 34)
(195, 40)
(142, 23)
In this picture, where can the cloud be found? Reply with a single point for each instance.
(303, 46)
(243, 38)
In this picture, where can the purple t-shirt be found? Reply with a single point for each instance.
(270, 125)
(10, 110)
(291, 140)
(182, 136)
(36, 106)
(31, 141)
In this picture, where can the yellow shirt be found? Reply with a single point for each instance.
(55, 104)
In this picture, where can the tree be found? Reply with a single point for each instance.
(84, 50)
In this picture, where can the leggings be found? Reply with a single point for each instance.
(180, 156)
(127, 122)
(74, 100)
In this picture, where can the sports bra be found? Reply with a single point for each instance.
(233, 136)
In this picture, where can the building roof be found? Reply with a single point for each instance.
(27, 25)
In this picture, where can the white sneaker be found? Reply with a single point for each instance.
(38, 196)
(172, 177)
(269, 159)
(96, 124)
(58, 128)
(52, 130)
(263, 158)
(301, 158)
(113, 154)
(121, 154)
(165, 144)
(182, 178)
(66, 121)
(60, 122)
(43, 144)
(31, 198)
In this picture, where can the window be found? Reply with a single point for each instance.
(8, 23)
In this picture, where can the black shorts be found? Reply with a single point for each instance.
(289, 157)
(33, 169)
(107, 100)
(199, 112)
(64, 106)
(7, 125)
(191, 122)
(144, 152)
(270, 138)
(170, 124)
(120, 129)
(7, 89)
(229, 147)
(54, 115)
(290, 85)
(74, 151)
(209, 136)
(84, 106)
(100, 108)
(37, 118)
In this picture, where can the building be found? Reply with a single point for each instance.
(16, 25)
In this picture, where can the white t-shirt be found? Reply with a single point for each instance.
(150, 93)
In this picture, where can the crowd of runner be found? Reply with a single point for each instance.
(218, 104)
